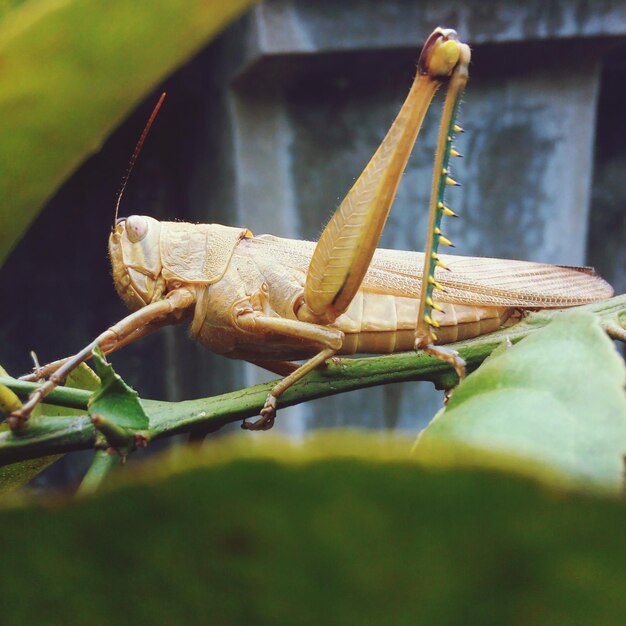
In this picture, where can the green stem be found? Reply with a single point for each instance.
(61, 396)
(100, 467)
(53, 435)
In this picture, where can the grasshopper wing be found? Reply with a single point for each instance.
(480, 281)
(487, 281)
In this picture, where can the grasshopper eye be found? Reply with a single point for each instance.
(136, 228)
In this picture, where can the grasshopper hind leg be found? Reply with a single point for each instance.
(443, 353)
(426, 334)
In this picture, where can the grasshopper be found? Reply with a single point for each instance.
(272, 301)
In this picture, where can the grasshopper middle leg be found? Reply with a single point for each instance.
(329, 340)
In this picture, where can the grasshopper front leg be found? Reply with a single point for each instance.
(111, 339)
(44, 371)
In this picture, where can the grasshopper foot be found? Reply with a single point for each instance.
(268, 414)
(448, 355)
(18, 418)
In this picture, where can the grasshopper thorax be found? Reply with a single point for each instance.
(134, 250)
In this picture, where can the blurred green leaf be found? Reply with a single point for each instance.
(335, 541)
(556, 398)
(19, 474)
(71, 71)
(8, 5)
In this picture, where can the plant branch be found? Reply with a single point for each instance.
(54, 435)
(102, 464)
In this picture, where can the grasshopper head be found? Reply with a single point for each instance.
(134, 249)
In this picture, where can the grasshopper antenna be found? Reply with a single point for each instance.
(133, 158)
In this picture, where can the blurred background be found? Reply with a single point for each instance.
(270, 124)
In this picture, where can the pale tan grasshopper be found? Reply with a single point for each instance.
(272, 301)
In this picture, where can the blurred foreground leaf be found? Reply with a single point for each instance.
(352, 540)
(71, 71)
(556, 398)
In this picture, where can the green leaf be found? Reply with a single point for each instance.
(346, 540)
(71, 71)
(556, 398)
(115, 402)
